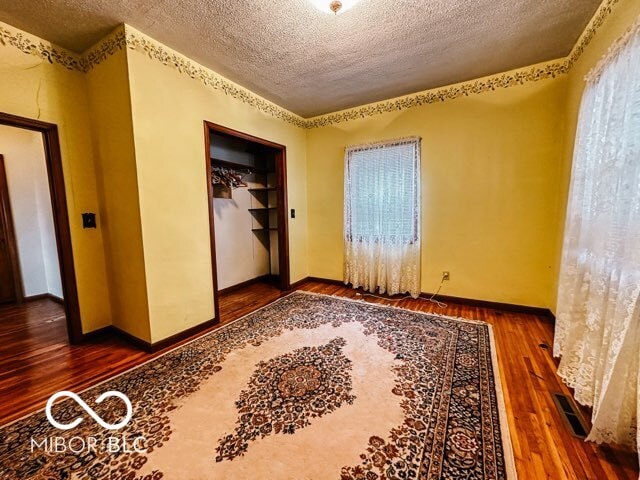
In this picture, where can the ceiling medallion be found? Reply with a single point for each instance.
(335, 6)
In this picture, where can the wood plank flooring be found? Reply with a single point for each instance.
(36, 361)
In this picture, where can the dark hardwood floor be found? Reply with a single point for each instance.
(37, 361)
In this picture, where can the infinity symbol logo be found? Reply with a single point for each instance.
(89, 410)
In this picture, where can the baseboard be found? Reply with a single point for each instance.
(327, 280)
(239, 286)
(148, 346)
(118, 332)
(100, 332)
(299, 283)
(507, 307)
(184, 335)
(472, 302)
(42, 296)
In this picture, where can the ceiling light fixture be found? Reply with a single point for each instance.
(334, 6)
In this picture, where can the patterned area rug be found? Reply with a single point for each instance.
(311, 386)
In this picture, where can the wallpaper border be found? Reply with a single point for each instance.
(486, 84)
(137, 41)
(126, 36)
(534, 73)
(37, 47)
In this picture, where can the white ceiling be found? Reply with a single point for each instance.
(311, 62)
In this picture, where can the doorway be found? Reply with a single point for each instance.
(248, 216)
(10, 279)
(36, 259)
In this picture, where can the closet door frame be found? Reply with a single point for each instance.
(282, 208)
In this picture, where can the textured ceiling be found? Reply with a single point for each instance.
(312, 63)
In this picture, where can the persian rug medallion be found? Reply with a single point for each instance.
(310, 386)
(286, 392)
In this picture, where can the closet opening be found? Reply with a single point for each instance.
(247, 197)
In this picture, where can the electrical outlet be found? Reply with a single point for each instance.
(446, 276)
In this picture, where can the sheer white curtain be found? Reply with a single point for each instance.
(382, 216)
(598, 312)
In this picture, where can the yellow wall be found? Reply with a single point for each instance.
(495, 175)
(108, 85)
(490, 164)
(34, 88)
(623, 15)
(168, 112)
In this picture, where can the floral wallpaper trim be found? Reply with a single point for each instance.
(116, 40)
(486, 84)
(32, 45)
(593, 26)
(126, 36)
(490, 83)
(156, 51)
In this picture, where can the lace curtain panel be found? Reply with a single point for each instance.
(598, 312)
(382, 221)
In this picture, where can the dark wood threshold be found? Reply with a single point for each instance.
(472, 302)
(42, 296)
(263, 278)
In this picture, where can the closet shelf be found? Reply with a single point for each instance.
(265, 229)
(217, 162)
(263, 189)
(262, 209)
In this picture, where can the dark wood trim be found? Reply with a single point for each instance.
(132, 339)
(471, 302)
(238, 134)
(299, 283)
(263, 278)
(55, 173)
(168, 342)
(42, 296)
(99, 333)
(506, 307)
(326, 280)
(185, 335)
(281, 183)
(283, 219)
(113, 330)
(6, 217)
(212, 231)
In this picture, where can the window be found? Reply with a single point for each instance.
(381, 192)
(382, 217)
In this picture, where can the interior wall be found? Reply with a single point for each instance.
(241, 255)
(30, 198)
(168, 110)
(489, 177)
(623, 15)
(35, 88)
(119, 218)
(495, 175)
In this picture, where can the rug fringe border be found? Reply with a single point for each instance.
(505, 433)
(502, 411)
(507, 445)
(428, 314)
